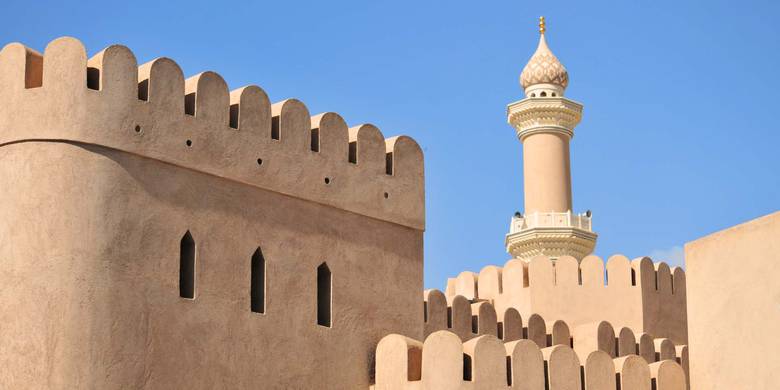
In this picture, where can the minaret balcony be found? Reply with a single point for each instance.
(551, 234)
(567, 219)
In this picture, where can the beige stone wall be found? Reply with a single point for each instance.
(99, 186)
(444, 362)
(734, 311)
(636, 294)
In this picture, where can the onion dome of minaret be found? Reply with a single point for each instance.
(544, 67)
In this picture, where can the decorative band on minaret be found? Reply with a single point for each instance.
(544, 122)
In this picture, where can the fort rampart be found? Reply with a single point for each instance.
(443, 361)
(636, 294)
(239, 135)
(163, 232)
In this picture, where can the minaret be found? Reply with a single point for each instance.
(544, 122)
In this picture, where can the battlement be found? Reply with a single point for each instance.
(637, 294)
(152, 111)
(541, 271)
(443, 361)
(474, 318)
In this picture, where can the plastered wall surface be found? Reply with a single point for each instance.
(734, 309)
(91, 266)
(104, 166)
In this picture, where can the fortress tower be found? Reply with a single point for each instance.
(544, 122)
(166, 233)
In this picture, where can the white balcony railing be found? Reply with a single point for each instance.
(533, 220)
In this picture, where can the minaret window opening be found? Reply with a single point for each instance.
(257, 288)
(187, 267)
(324, 295)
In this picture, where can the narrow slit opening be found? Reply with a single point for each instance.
(275, 130)
(33, 71)
(414, 365)
(475, 324)
(449, 317)
(425, 311)
(315, 140)
(500, 330)
(324, 295)
(257, 289)
(234, 116)
(353, 152)
(579, 276)
(93, 78)
(509, 371)
(466, 367)
(143, 90)
(546, 376)
(187, 267)
(633, 277)
(389, 163)
(189, 104)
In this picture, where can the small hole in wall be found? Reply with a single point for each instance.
(327, 180)
(259, 161)
(543, 94)
(387, 195)
(553, 94)
(138, 129)
(189, 143)
(533, 95)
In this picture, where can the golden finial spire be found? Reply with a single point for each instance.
(542, 27)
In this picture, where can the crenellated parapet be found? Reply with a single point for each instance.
(444, 361)
(471, 318)
(198, 124)
(637, 294)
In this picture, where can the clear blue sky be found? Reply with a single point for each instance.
(678, 139)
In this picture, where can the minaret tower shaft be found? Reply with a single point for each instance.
(544, 122)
